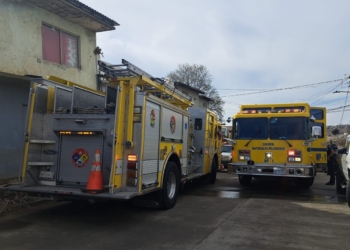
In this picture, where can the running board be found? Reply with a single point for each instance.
(191, 176)
(69, 192)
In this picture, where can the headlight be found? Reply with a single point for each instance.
(268, 155)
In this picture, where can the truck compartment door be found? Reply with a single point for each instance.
(77, 152)
(150, 161)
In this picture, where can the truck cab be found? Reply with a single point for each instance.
(226, 155)
(343, 170)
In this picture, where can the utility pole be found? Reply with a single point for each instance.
(341, 91)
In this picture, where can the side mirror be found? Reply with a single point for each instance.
(316, 131)
(229, 119)
(342, 151)
(312, 118)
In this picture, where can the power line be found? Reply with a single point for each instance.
(336, 111)
(341, 107)
(300, 86)
(326, 93)
(233, 103)
(347, 94)
(320, 93)
(246, 89)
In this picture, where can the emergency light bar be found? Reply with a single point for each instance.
(272, 109)
(77, 133)
(254, 111)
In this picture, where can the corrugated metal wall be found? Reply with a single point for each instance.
(14, 93)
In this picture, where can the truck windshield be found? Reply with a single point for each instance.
(226, 149)
(288, 128)
(248, 128)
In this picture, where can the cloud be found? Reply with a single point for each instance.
(244, 44)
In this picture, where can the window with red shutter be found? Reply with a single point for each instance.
(59, 46)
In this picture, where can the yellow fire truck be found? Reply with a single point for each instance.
(148, 137)
(278, 140)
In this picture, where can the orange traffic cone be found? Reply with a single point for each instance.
(95, 182)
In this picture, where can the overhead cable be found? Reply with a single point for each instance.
(300, 86)
(321, 93)
(347, 94)
(246, 89)
(337, 108)
(327, 93)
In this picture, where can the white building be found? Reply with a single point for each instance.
(198, 98)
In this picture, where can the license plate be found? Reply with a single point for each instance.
(279, 171)
(47, 175)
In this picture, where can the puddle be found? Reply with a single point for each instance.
(228, 194)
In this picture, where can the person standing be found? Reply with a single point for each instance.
(331, 165)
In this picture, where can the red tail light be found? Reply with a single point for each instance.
(132, 162)
(294, 152)
(245, 152)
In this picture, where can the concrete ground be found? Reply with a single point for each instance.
(265, 215)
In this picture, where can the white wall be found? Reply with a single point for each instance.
(21, 44)
(196, 99)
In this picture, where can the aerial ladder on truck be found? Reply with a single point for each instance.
(148, 136)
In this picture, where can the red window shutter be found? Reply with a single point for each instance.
(51, 44)
(69, 50)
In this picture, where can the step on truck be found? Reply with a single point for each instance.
(148, 136)
(279, 141)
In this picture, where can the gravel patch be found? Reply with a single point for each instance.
(11, 200)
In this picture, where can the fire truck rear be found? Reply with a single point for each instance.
(138, 134)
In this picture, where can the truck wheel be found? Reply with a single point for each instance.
(213, 172)
(338, 181)
(170, 186)
(304, 182)
(348, 193)
(245, 180)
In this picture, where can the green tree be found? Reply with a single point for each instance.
(335, 131)
(198, 76)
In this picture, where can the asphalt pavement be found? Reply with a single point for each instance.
(265, 215)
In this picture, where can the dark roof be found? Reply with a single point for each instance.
(189, 87)
(206, 97)
(77, 12)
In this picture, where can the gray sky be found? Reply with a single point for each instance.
(248, 46)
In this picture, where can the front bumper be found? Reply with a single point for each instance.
(225, 163)
(299, 171)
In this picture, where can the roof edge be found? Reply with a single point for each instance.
(92, 12)
(189, 87)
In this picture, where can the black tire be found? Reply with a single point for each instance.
(338, 181)
(304, 182)
(348, 193)
(245, 180)
(213, 172)
(171, 183)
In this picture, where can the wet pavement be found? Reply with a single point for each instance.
(265, 215)
(227, 186)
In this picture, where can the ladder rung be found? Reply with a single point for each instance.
(39, 141)
(40, 163)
